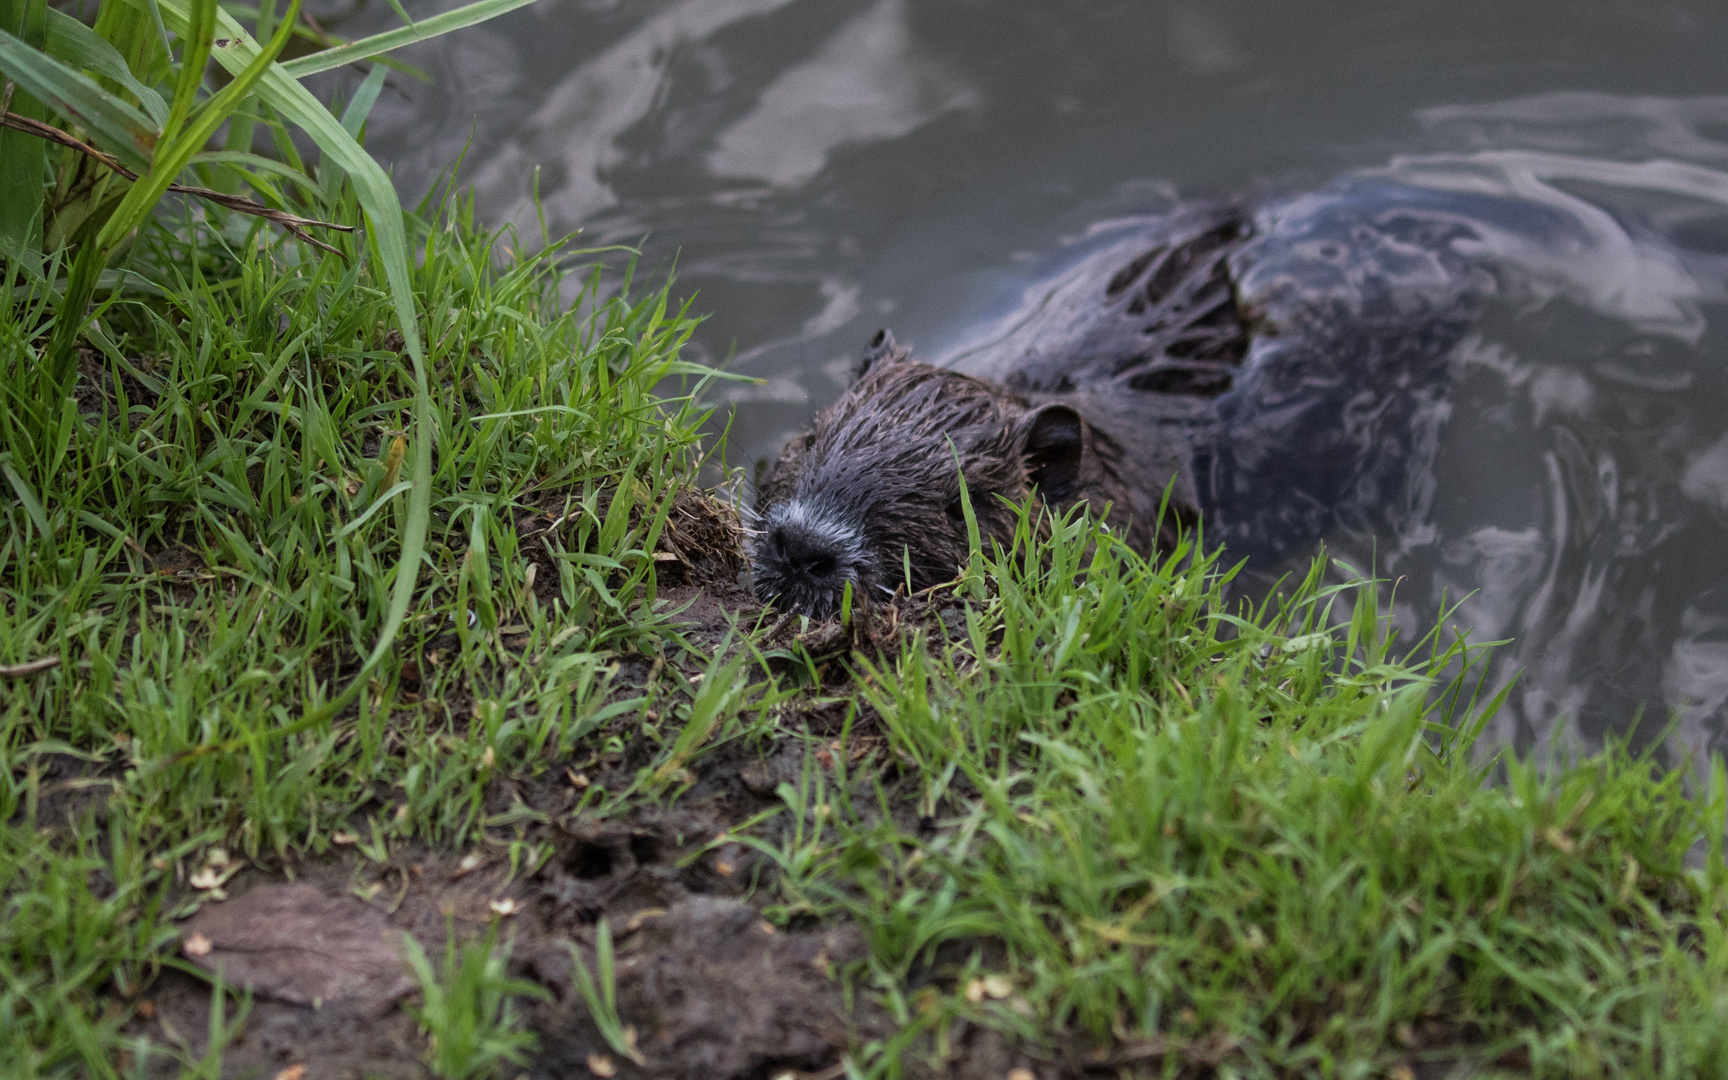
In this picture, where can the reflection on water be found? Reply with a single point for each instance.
(575, 130)
(865, 84)
(1577, 503)
(824, 167)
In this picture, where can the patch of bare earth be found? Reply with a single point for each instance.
(710, 987)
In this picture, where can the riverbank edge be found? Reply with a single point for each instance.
(1072, 814)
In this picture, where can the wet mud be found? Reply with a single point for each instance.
(709, 987)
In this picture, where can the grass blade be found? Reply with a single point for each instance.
(600, 993)
(26, 498)
(466, 15)
(195, 44)
(257, 163)
(23, 159)
(354, 116)
(178, 147)
(77, 44)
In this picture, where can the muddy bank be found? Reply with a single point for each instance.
(717, 973)
(709, 987)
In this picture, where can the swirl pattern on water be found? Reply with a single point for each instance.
(1582, 476)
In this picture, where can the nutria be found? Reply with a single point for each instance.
(871, 494)
(1273, 372)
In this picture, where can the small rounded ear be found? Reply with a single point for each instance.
(882, 348)
(1055, 443)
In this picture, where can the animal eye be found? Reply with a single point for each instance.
(956, 512)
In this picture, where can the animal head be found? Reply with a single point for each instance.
(871, 494)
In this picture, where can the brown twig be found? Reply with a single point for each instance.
(294, 223)
(31, 667)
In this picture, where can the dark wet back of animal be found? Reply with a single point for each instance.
(1282, 365)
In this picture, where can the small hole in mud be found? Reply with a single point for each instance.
(590, 861)
(776, 1067)
(645, 849)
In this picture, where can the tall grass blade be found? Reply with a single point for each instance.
(330, 174)
(354, 115)
(178, 147)
(378, 44)
(23, 159)
(243, 127)
(388, 236)
(80, 46)
(196, 41)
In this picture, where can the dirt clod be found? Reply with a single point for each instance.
(714, 993)
(295, 944)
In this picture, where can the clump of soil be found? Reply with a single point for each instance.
(700, 546)
(293, 943)
(716, 990)
(704, 540)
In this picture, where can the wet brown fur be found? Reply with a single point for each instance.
(1097, 404)
(888, 454)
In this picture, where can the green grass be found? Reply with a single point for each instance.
(250, 443)
(600, 994)
(466, 1007)
(1253, 838)
(1102, 808)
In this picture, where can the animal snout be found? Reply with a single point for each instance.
(803, 561)
(803, 551)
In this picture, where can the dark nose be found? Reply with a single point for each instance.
(805, 553)
(804, 565)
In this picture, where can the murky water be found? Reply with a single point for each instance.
(821, 168)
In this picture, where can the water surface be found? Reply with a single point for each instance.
(822, 168)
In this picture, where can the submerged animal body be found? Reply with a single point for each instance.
(1272, 372)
